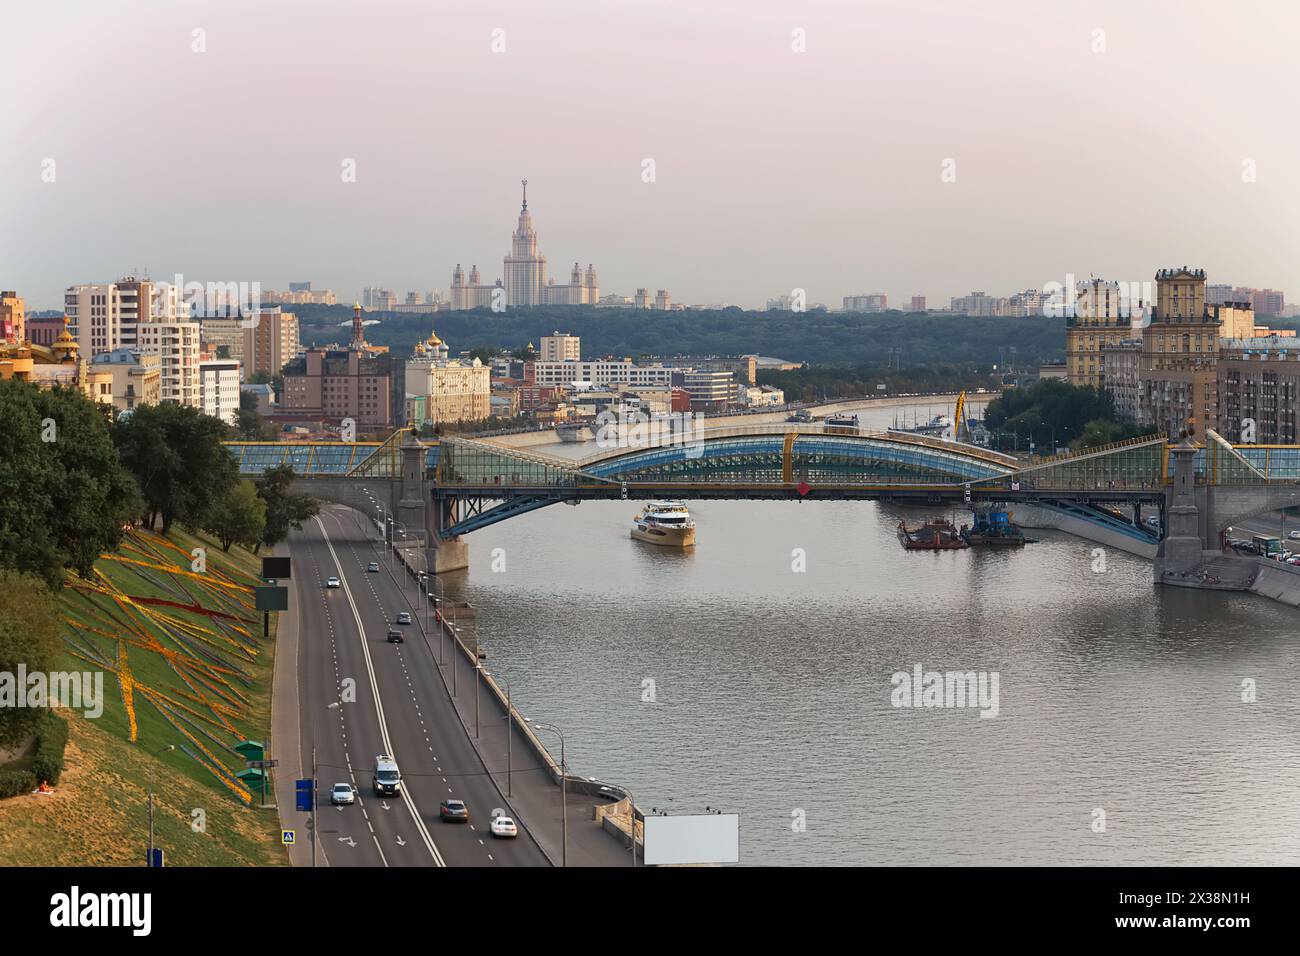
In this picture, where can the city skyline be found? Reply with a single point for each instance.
(1094, 144)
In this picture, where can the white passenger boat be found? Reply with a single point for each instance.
(665, 523)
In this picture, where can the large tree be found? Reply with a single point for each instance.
(238, 517)
(28, 636)
(284, 509)
(177, 456)
(64, 493)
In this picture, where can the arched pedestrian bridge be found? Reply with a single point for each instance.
(443, 489)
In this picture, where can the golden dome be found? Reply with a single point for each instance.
(65, 346)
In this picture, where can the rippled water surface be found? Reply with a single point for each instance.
(773, 694)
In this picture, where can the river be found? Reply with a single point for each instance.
(754, 674)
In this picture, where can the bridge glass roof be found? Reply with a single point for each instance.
(467, 462)
(311, 459)
(814, 457)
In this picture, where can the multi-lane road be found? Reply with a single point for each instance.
(360, 696)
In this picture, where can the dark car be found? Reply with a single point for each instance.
(395, 636)
(453, 811)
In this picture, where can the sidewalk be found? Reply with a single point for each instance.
(286, 739)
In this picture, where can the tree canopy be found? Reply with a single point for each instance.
(238, 517)
(1081, 416)
(178, 460)
(284, 509)
(66, 494)
(28, 636)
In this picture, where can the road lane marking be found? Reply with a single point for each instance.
(379, 707)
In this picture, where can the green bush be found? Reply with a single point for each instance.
(52, 738)
(14, 783)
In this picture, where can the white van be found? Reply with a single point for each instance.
(387, 780)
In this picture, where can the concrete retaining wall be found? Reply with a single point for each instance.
(1278, 581)
(1032, 516)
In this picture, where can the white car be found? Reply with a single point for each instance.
(332, 582)
(504, 827)
(343, 795)
(1293, 535)
(403, 617)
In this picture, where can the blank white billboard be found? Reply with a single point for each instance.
(692, 838)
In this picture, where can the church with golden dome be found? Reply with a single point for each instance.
(443, 389)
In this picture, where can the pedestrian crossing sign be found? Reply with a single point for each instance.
(286, 837)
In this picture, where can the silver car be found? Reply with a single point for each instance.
(343, 795)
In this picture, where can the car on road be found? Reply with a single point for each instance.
(453, 811)
(403, 617)
(387, 780)
(373, 567)
(504, 828)
(1293, 535)
(395, 636)
(343, 794)
(332, 582)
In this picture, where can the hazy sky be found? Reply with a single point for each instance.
(774, 169)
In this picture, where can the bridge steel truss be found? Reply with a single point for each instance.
(487, 483)
(476, 483)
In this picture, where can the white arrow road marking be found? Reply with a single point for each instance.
(348, 840)
(400, 841)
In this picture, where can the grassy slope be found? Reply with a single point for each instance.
(99, 814)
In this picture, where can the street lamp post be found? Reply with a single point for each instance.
(149, 859)
(564, 794)
(455, 658)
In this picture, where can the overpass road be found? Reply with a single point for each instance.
(401, 707)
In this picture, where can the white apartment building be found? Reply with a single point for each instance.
(561, 347)
(177, 344)
(219, 389)
(601, 374)
(138, 314)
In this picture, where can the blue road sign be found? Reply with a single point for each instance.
(286, 837)
(157, 859)
(306, 794)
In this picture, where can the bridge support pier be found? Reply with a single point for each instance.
(444, 554)
(1183, 546)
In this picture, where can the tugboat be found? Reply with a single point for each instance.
(937, 534)
(993, 526)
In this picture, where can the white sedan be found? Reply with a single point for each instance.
(332, 582)
(1293, 535)
(504, 827)
(343, 795)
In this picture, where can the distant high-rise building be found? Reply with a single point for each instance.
(663, 301)
(270, 343)
(299, 286)
(1269, 302)
(560, 347)
(918, 303)
(378, 300)
(525, 281)
(876, 302)
(525, 267)
(137, 314)
(641, 300)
